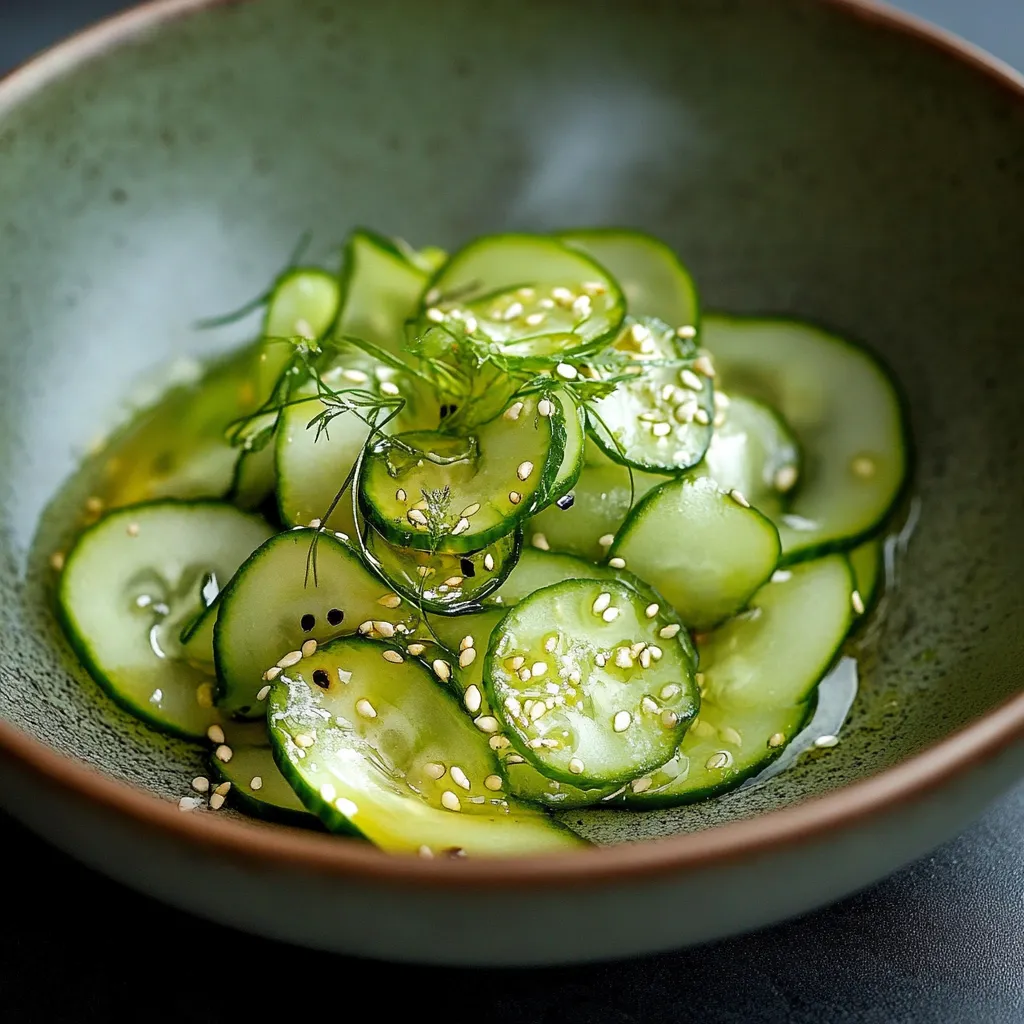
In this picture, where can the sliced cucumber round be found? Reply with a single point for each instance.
(129, 585)
(538, 569)
(259, 788)
(443, 582)
(286, 594)
(660, 419)
(526, 298)
(440, 492)
(759, 674)
(303, 304)
(705, 550)
(845, 411)
(593, 681)
(371, 743)
(755, 453)
(868, 566)
(653, 280)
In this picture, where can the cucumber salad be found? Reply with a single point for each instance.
(462, 540)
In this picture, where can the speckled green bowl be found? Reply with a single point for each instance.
(821, 159)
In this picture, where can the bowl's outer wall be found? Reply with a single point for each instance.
(802, 161)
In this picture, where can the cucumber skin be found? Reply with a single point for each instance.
(257, 808)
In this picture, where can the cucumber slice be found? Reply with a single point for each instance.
(705, 550)
(259, 788)
(131, 582)
(651, 276)
(867, 564)
(254, 478)
(196, 638)
(845, 411)
(601, 501)
(373, 744)
(760, 671)
(442, 582)
(538, 569)
(755, 453)
(526, 298)
(592, 680)
(272, 606)
(435, 491)
(661, 419)
(575, 445)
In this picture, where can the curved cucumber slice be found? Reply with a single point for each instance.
(442, 582)
(703, 549)
(867, 565)
(527, 297)
(439, 492)
(845, 411)
(254, 478)
(575, 422)
(259, 788)
(592, 680)
(755, 453)
(303, 304)
(760, 672)
(273, 605)
(601, 500)
(653, 280)
(660, 419)
(129, 585)
(538, 569)
(374, 744)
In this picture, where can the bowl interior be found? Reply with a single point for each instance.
(802, 160)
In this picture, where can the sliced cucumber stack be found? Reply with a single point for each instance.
(130, 584)
(388, 754)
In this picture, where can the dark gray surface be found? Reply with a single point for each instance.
(941, 942)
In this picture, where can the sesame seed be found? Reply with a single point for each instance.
(453, 581)
(515, 709)
(435, 315)
(498, 742)
(355, 376)
(365, 709)
(602, 601)
(703, 364)
(365, 627)
(776, 739)
(308, 648)
(493, 782)
(648, 416)
(216, 802)
(535, 319)
(416, 649)
(641, 785)
(328, 792)
(466, 641)
(720, 759)
(442, 670)
(781, 576)
(459, 777)
(389, 601)
(487, 723)
(562, 295)
(685, 413)
(346, 807)
(581, 305)
(538, 668)
(132, 529)
(263, 693)
(606, 540)
(858, 602)
(645, 659)
(540, 542)
(400, 494)
(722, 400)
(471, 323)
(460, 527)
(450, 801)
(291, 658)
(386, 629)
(433, 770)
(224, 753)
(669, 719)
(669, 631)
(730, 735)
(699, 679)
(565, 371)
(690, 380)
(388, 387)
(622, 721)
(314, 524)
(489, 562)
(600, 660)
(545, 407)
(513, 411)
(863, 466)
(702, 417)
(719, 420)
(669, 691)
(514, 309)
(576, 766)
(610, 614)
(215, 734)
(515, 497)
(426, 852)
(201, 784)
(188, 803)
(623, 659)
(204, 695)
(661, 429)
(472, 698)
(823, 742)
(393, 656)
(550, 644)
(617, 563)
(415, 516)
(651, 610)
(739, 498)
(57, 561)
(518, 662)
(303, 740)
(94, 505)
(785, 478)
(525, 675)
(467, 657)
(272, 673)
(470, 510)
(686, 331)
(524, 469)
(515, 759)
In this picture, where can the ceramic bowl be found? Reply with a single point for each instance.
(825, 159)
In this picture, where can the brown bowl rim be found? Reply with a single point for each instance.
(768, 833)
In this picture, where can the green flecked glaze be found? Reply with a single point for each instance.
(802, 161)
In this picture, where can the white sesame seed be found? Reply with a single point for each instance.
(263, 693)
(188, 803)
(623, 659)
(781, 576)
(518, 662)
(703, 364)
(514, 309)
(525, 675)
(400, 494)
(132, 529)
(686, 331)
(651, 610)
(271, 674)
(416, 649)
(576, 766)
(216, 802)
(617, 563)
(487, 723)
(425, 852)
(823, 742)
(515, 497)
(562, 295)
(57, 561)
(471, 323)
(722, 400)
(291, 658)
(435, 315)
(515, 759)
(433, 770)
(215, 734)
(388, 387)
(450, 801)
(460, 527)
(565, 371)
(201, 784)
(535, 319)
(550, 644)
(641, 785)
(738, 497)
(645, 659)
(863, 466)
(622, 721)
(303, 740)
(467, 657)
(453, 581)
(393, 656)
(513, 411)
(669, 719)
(309, 648)
(224, 753)
(581, 305)
(365, 709)
(661, 429)
(540, 542)
(355, 376)
(545, 407)
(390, 601)
(386, 629)
(489, 562)
(414, 515)
(858, 602)
(785, 478)
(669, 631)
(602, 601)
(459, 777)
(690, 380)
(606, 540)
(669, 691)
(472, 698)
(524, 469)
(730, 735)
(470, 510)
(776, 739)
(600, 660)
(442, 670)
(493, 782)
(702, 417)
(538, 668)
(610, 614)
(720, 759)
(498, 742)
(365, 627)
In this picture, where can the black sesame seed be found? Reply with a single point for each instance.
(334, 616)
(467, 567)
(321, 678)
(307, 622)
(566, 501)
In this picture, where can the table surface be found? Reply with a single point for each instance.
(942, 941)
